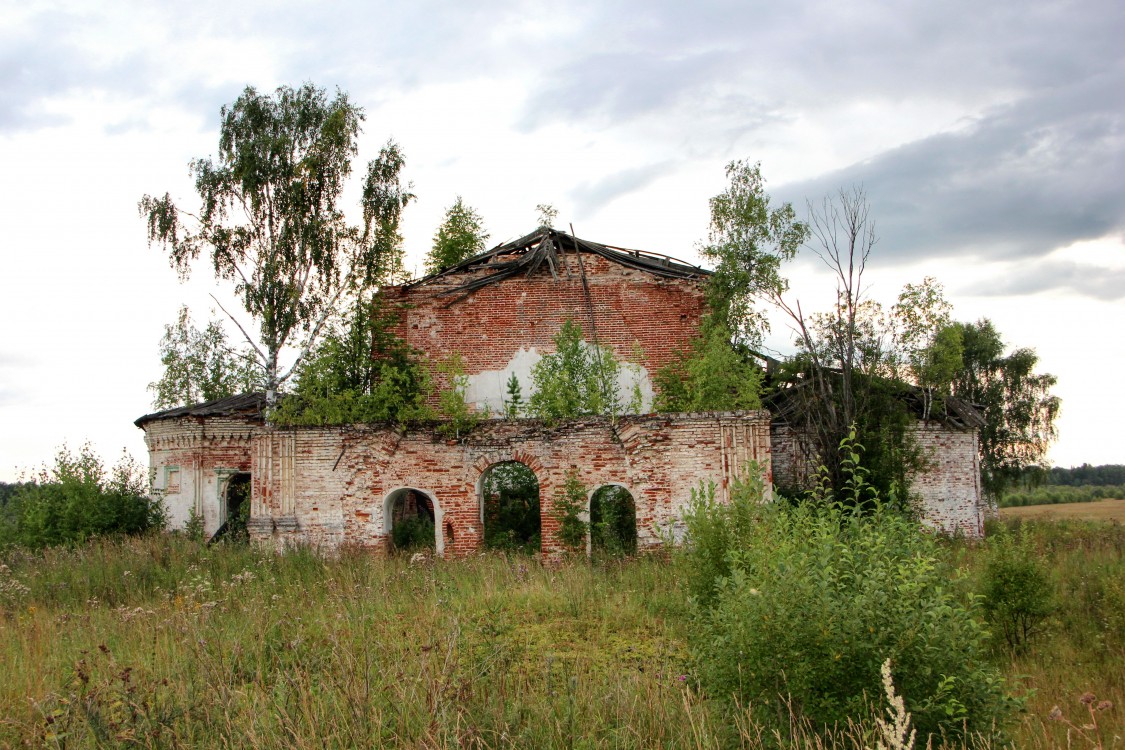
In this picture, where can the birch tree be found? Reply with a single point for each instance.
(269, 219)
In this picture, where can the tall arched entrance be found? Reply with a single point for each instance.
(509, 504)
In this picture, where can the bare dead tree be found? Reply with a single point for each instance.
(842, 350)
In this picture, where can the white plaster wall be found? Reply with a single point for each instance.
(489, 389)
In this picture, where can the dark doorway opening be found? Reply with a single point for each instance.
(613, 521)
(412, 519)
(510, 507)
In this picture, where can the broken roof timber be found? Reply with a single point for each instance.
(250, 405)
(527, 255)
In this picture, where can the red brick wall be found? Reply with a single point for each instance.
(630, 308)
(338, 478)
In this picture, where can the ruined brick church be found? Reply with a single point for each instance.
(348, 484)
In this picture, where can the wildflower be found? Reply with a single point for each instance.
(1087, 698)
(1105, 705)
(1056, 714)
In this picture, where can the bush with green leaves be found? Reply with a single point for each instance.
(361, 372)
(413, 533)
(802, 603)
(77, 499)
(713, 375)
(578, 379)
(1016, 587)
(569, 508)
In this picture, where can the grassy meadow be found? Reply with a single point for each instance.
(162, 642)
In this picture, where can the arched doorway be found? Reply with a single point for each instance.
(509, 503)
(411, 520)
(613, 521)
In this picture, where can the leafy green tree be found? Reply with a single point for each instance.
(747, 242)
(77, 499)
(270, 222)
(577, 379)
(569, 507)
(712, 376)
(201, 365)
(927, 345)
(453, 402)
(460, 236)
(1019, 409)
(360, 372)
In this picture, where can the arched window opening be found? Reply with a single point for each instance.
(509, 496)
(412, 519)
(613, 521)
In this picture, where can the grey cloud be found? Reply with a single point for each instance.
(632, 57)
(611, 86)
(1021, 181)
(591, 197)
(1100, 283)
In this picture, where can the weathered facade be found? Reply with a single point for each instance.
(501, 311)
(947, 490)
(330, 486)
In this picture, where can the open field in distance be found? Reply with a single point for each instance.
(1099, 510)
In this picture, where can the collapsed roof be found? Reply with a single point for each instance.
(545, 247)
(251, 405)
(786, 404)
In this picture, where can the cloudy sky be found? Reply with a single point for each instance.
(989, 137)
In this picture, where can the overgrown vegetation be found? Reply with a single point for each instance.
(714, 375)
(613, 522)
(161, 641)
(577, 379)
(361, 372)
(570, 508)
(799, 605)
(78, 498)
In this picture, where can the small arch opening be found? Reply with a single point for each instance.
(411, 518)
(613, 521)
(509, 497)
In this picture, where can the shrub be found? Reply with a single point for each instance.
(1016, 588)
(77, 499)
(570, 504)
(805, 602)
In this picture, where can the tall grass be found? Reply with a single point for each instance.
(162, 642)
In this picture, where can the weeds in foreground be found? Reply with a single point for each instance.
(164, 642)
